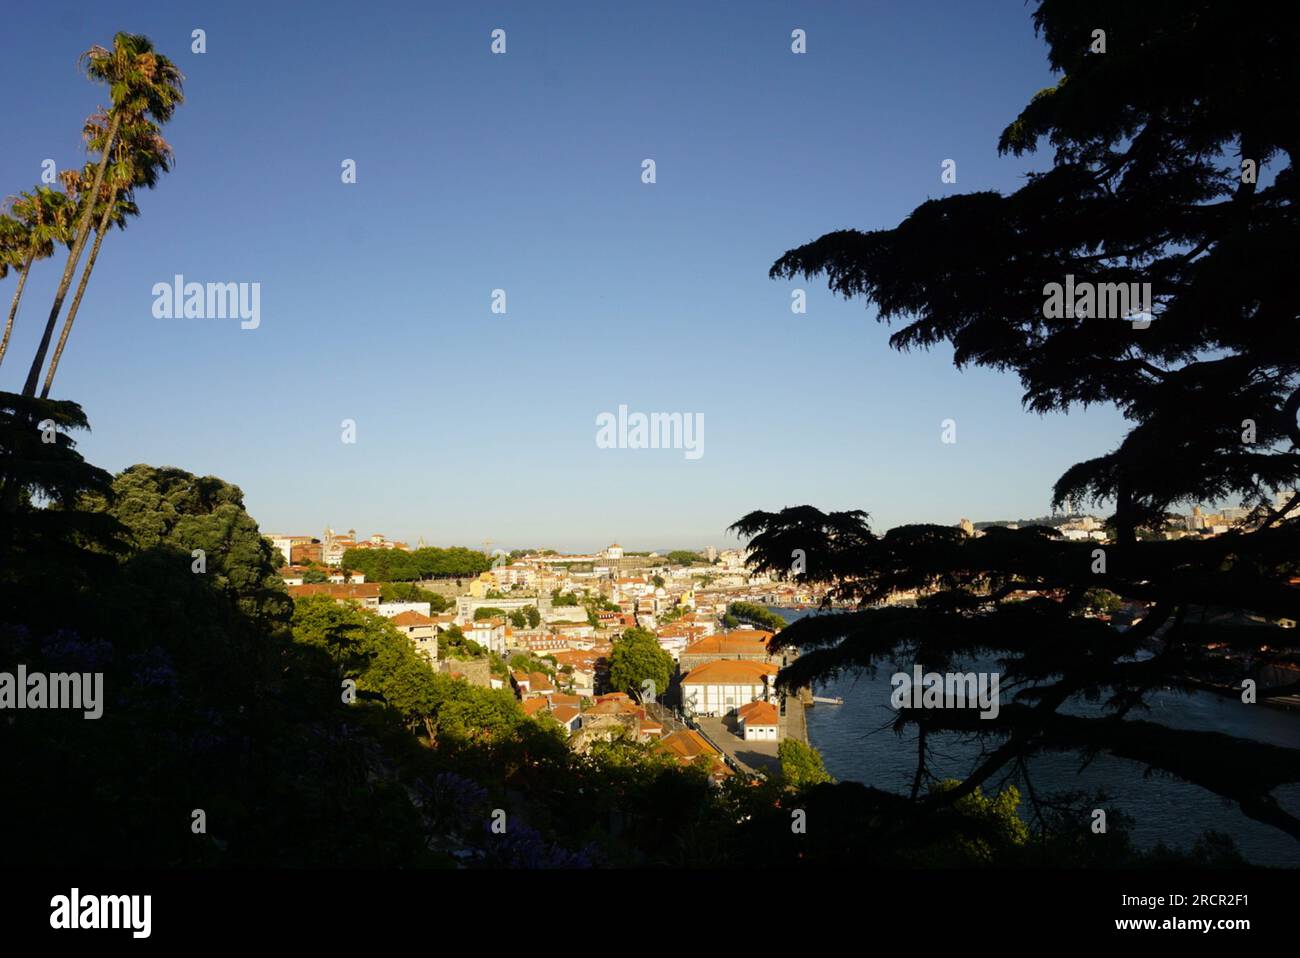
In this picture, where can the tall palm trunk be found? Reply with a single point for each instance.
(18, 295)
(83, 231)
(81, 291)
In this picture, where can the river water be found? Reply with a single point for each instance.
(857, 744)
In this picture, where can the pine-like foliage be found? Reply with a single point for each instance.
(1156, 140)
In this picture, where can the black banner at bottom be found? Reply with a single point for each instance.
(309, 906)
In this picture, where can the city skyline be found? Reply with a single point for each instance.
(730, 541)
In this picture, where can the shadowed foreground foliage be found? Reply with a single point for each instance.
(222, 695)
(1151, 182)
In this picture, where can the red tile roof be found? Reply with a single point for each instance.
(369, 590)
(746, 642)
(758, 713)
(564, 714)
(411, 617)
(686, 744)
(730, 672)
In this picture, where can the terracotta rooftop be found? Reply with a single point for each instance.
(686, 744)
(369, 590)
(730, 672)
(758, 713)
(411, 617)
(564, 713)
(731, 643)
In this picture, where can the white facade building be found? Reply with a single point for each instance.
(489, 633)
(758, 722)
(390, 609)
(720, 687)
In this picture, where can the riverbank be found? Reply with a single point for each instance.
(858, 744)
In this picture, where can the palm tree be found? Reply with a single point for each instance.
(140, 156)
(40, 219)
(13, 250)
(142, 82)
(9, 242)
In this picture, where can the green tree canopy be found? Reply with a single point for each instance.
(452, 644)
(801, 764)
(636, 658)
(406, 592)
(170, 511)
(685, 557)
(396, 565)
(752, 614)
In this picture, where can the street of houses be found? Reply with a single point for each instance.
(543, 627)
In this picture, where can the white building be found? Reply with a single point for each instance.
(512, 576)
(564, 613)
(632, 587)
(489, 633)
(674, 645)
(285, 545)
(583, 681)
(758, 722)
(720, 687)
(467, 605)
(390, 609)
(422, 632)
(574, 630)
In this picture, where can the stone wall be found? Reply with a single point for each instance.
(476, 671)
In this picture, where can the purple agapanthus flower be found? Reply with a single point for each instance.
(67, 649)
(522, 846)
(153, 669)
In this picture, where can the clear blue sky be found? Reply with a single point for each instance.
(523, 172)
